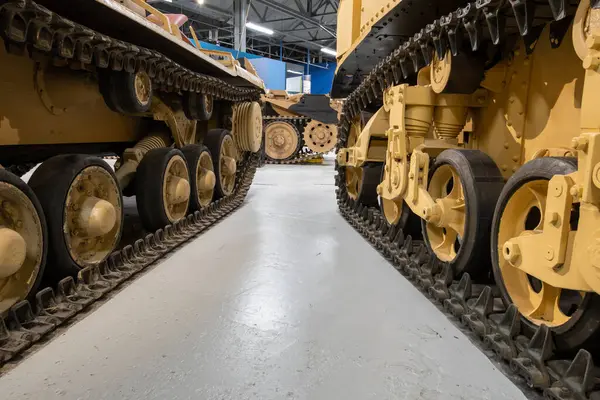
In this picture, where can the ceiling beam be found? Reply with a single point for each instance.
(295, 14)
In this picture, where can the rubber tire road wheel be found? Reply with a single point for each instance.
(122, 85)
(105, 86)
(371, 178)
(583, 328)
(195, 106)
(213, 141)
(51, 183)
(12, 179)
(149, 179)
(409, 222)
(482, 184)
(192, 153)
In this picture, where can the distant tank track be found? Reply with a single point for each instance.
(476, 306)
(302, 155)
(25, 25)
(26, 323)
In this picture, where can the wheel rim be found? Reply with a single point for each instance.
(176, 189)
(228, 165)
(205, 179)
(281, 140)
(446, 227)
(320, 137)
(92, 216)
(353, 174)
(536, 300)
(392, 210)
(21, 245)
(143, 87)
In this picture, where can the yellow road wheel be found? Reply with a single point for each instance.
(23, 241)
(281, 140)
(224, 153)
(320, 137)
(573, 316)
(162, 188)
(202, 175)
(83, 205)
(354, 175)
(465, 185)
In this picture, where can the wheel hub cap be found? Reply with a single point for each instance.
(12, 252)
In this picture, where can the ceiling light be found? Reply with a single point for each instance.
(294, 72)
(259, 28)
(329, 51)
(200, 2)
(168, 1)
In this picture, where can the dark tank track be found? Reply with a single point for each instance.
(30, 29)
(475, 306)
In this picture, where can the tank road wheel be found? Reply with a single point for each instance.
(361, 182)
(23, 240)
(83, 205)
(320, 137)
(198, 106)
(573, 316)
(132, 91)
(221, 146)
(281, 140)
(162, 188)
(202, 175)
(465, 185)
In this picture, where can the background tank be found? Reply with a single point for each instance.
(298, 127)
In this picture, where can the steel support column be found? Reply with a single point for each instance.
(240, 9)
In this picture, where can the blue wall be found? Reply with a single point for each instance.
(321, 78)
(271, 71)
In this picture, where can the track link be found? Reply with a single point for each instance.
(477, 307)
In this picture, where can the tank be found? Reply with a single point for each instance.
(81, 80)
(298, 128)
(467, 155)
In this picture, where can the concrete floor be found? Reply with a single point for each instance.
(283, 300)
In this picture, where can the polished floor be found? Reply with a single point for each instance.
(283, 300)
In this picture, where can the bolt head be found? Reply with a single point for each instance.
(549, 253)
(511, 252)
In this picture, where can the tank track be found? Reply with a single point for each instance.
(27, 26)
(477, 308)
(26, 324)
(302, 155)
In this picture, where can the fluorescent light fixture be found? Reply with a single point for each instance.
(200, 2)
(259, 28)
(294, 72)
(168, 1)
(329, 51)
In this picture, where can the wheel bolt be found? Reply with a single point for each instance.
(511, 252)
